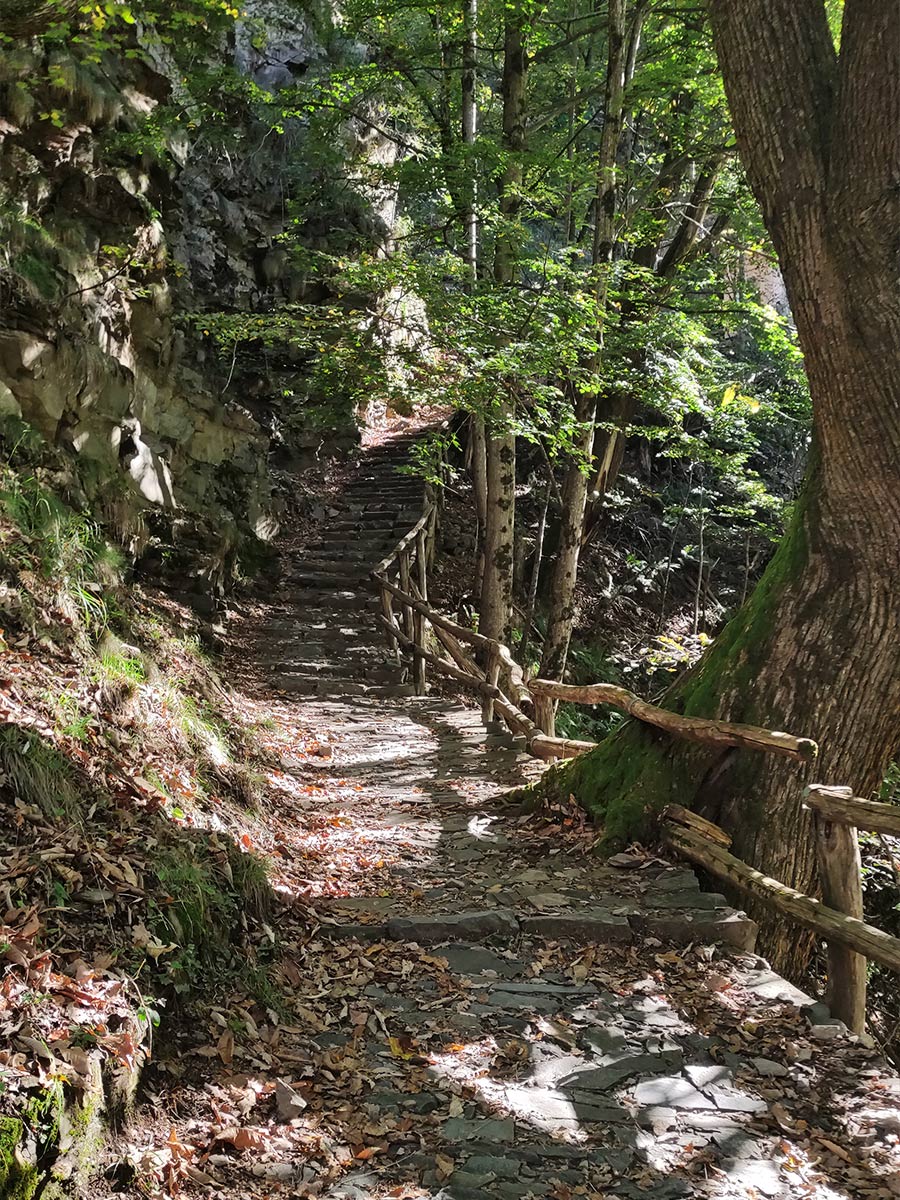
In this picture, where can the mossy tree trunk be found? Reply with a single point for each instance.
(816, 649)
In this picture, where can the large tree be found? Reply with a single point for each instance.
(816, 649)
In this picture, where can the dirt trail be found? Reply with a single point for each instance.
(472, 1003)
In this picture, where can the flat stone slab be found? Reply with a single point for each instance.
(670, 1091)
(476, 926)
(594, 927)
(476, 960)
(548, 1107)
(689, 900)
(733, 928)
(603, 1079)
(488, 1164)
(570, 991)
(762, 1175)
(461, 1129)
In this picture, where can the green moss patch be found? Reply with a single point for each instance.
(18, 1178)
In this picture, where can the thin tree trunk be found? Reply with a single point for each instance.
(497, 579)
(561, 599)
(535, 578)
(478, 467)
(469, 129)
(691, 225)
(469, 104)
(572, 89)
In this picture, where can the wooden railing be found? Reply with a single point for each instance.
(695, 729)
(408, 565)
(838, 916)
(484, 665)
(487, 668)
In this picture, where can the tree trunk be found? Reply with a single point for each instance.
(561, 598)
(816, 648)
(496, 587)
(497, 579)
(469, 121)
(469, 129)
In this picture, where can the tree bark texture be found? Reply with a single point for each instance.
(497, 575)
(817, 645)
(469, 123)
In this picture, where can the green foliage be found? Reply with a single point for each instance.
(71, 721)
(890, 788)
(38, 774)
(206, 894)
(121, 668)
(18, 1180)
(65, 548)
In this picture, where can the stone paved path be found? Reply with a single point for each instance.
(481, 1006)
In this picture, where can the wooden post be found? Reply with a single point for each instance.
(432, 536)
(837, 847)
(404, 585)
(418, 657)
(418, 618)
(545, 714)
(492, 675)
(387, 607)
(422, 564)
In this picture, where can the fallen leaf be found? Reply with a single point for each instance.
(225, 1047)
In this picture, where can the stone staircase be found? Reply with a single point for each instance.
(348, 656)
(525, 1019)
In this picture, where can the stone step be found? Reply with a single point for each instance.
(321, 685)
(384, 494)
(335, 630)
(349, 549)
(390, 471)
(384, 672)
(337, 599)
(322, 579)
(598, 927)
(375, 523)
(375, 505)
(704, 926)
(282, 641)
(335, 565)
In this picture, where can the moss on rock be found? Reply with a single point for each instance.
(18, 1176)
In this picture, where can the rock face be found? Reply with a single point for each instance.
(114, 247)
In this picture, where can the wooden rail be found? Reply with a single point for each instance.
(492, 682)
(695, 729)
(838, 916)
(408, 619)
(839, 805)
(408, 562)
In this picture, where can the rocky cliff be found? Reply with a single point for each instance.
(124, 221)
